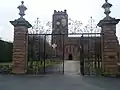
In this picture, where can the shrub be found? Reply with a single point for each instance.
(5, 51)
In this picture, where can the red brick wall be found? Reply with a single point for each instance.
(19, 50)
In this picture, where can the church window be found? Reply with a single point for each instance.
(70, 48)
(73, 49)
(66, 50)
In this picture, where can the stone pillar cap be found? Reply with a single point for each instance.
(21, 22)
(111, 21)
(118, 64)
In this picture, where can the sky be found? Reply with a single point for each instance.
(80, 10)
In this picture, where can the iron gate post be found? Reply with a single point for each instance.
(44, 52)
(63, 53)
(82, 56)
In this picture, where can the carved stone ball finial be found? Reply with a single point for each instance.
(106, 0)
(65, 10)
(55, 11)
(22, 9)
(22, 2)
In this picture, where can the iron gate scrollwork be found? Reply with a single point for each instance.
(45, 53)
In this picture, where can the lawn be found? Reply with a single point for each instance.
(43, 63)
(33, 65)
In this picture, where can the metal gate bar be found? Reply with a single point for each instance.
(92, 58)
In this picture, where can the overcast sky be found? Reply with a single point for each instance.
(77, 10)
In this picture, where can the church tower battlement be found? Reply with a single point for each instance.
(58, 16)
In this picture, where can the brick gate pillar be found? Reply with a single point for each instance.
(20, 42)
(110, 43)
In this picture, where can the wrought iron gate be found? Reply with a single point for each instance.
(45, 55)
(91, 54)
(46, 52)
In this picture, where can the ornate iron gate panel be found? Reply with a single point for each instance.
(45, 53)
(91, 54)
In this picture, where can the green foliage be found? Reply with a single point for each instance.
(44, 48)
(5, 51)
(34, 66)
(6, 68)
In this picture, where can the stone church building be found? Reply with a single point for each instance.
(66, 46)
(71, 44)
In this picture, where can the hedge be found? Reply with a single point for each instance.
(6, 51)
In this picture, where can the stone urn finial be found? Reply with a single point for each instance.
(22, 9)
(107, 7)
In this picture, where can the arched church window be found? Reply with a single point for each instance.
(66, 50)
(73, 49)
(70, 48)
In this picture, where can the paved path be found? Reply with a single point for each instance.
(72, 67)
(70, 81)
(56, 82)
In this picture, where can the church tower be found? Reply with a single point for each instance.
(59, 27)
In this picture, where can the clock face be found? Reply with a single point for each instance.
(62, 17)
(63, 22)
(58, 23)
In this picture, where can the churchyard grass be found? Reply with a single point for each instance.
(35, 64)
